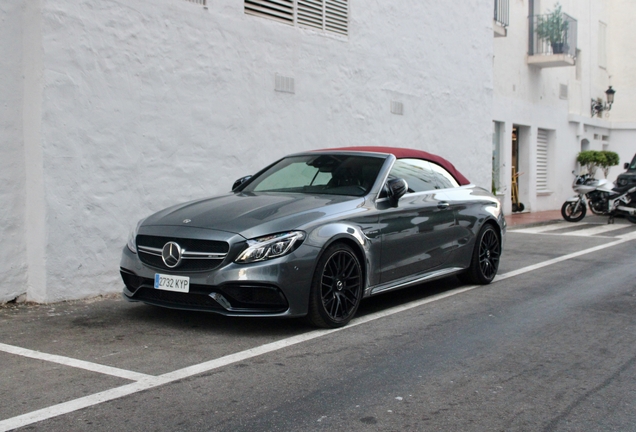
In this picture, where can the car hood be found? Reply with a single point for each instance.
(253, 215)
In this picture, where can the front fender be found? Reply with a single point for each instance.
(367, 246)
(576, 198)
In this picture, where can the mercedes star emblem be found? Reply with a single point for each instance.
(171, 254)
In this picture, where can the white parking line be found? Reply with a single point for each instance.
(80, 364)
(146, 382)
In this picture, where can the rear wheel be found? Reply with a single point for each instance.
(336, 289)
(485, 261)
(571, 213)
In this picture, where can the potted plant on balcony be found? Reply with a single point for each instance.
(554, 29)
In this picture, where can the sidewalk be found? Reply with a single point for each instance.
(537, 218)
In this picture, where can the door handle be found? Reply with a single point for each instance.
(443, 205)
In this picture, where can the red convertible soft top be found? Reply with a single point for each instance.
(404, 153)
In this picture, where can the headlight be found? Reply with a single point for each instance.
(272, 246)
(132, 244)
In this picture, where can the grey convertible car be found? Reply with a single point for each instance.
(314, 233)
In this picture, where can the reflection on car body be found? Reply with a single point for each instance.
(314, 233)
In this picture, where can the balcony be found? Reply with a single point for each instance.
(501, 18)
(552, 40)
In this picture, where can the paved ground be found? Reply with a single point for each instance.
(516, 355)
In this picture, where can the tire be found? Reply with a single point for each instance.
(485, 260)
(521, 207)
(631, 218)
(568, 207)
(515, 208)
(336, 289)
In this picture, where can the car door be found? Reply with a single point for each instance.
(415, 234)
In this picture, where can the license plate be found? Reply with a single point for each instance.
(172, 283)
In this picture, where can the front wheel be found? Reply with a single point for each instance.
(571, 213)
(336, 289)
(485, 260)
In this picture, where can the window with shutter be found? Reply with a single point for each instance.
(326, 15)
(542, 160)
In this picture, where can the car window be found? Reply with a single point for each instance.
(324, 174)
(418, 174)
(443, 178)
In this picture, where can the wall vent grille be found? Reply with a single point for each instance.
(285, 84)
(277, 10)
(397, 108)
(326, 15)
(563, 91)
(200, 2)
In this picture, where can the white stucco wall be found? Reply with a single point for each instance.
(12, 164)
(622, 61)
(145, 104)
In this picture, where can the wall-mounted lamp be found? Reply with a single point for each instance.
(597, 107)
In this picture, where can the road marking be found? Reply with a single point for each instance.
(593, 230)
(80, 364)
(601, 229)
(147, 382)
(543, 228)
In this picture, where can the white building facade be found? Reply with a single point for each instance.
(542, 98)
(113, 110)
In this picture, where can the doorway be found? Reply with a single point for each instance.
(517, 205)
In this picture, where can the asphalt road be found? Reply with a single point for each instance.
(549, 346)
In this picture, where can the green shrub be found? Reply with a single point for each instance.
(593, 159)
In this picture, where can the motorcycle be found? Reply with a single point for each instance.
(602, 198)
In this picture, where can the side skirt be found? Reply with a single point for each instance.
(413, 280)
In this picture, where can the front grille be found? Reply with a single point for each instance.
(176, 299)
(149, 251)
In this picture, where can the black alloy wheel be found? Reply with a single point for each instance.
(571, 213)
(336, 288)
(485, 261)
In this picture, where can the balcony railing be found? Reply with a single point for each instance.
(502, 12)
(549, 38)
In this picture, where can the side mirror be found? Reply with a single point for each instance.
(626, 165)
(396, 190)
(240, 182)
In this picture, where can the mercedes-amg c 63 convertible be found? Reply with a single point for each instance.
(314, 233)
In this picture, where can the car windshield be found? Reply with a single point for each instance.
(319, 174)
(632, 166)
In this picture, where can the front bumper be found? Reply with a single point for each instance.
(276, 287)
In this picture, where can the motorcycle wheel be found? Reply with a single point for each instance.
(631, 218)
(568, 208)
